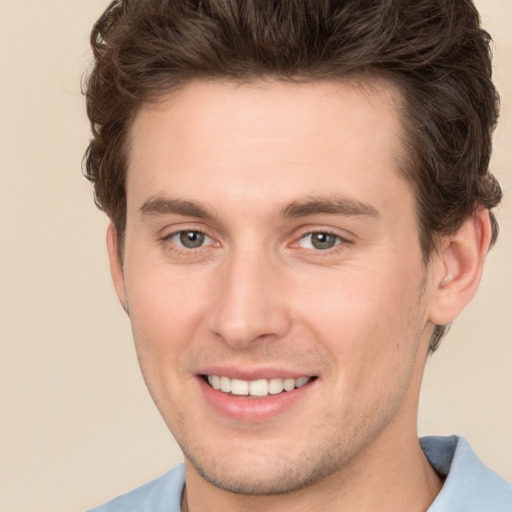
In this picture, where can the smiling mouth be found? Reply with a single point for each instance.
(255, 388)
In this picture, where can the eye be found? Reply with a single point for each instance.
(189, 239)
(320, 241)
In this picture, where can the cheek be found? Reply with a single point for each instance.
(165, 312)
(368, 320)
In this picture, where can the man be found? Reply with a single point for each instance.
(300, 204)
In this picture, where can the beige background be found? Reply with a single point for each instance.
(77, 424)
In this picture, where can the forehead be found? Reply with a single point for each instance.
(251, 138)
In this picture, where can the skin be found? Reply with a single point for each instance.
(258, 295)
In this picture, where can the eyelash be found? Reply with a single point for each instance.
(340, 242)
(176, 246)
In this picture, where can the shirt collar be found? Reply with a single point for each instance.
(470, 486)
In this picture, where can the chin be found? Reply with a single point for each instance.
(265, 475)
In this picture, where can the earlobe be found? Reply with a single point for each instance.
(461, 259)
(116, 268)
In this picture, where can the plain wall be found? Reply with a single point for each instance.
(77, 423)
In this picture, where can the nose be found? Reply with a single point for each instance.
(250, 305)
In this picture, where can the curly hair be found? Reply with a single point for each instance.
(434, 52)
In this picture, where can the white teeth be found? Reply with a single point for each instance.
(215, 381)
(260, 387)
(289, 384)
(275, 386)
(225, 384)
(301, 381)
(239, 387)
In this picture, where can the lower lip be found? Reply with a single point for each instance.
(252, 409)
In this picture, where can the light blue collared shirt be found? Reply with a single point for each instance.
(470, 486)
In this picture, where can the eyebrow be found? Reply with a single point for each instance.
(329, 205)
(333, 205)
(162, 206)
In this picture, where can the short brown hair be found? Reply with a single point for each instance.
(433, 51)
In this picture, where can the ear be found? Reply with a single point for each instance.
(116, 267)
(460, 264)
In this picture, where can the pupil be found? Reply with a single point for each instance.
(191, 239)
(323, 241)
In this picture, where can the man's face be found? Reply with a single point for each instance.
(271, 241)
